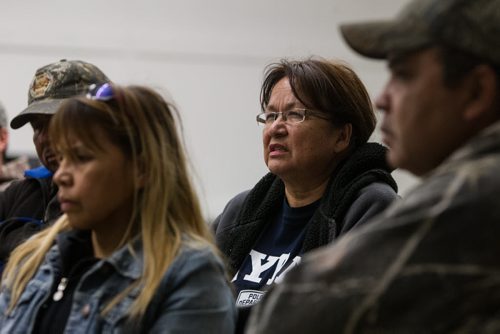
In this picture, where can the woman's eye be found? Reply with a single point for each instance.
(83, 157)
(295, 115)
(270, 117)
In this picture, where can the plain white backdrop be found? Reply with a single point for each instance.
(207, 56)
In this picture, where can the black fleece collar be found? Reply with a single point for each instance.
(364, 166)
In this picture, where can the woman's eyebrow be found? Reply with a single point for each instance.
(287, 106)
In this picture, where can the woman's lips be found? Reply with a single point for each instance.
(66, 205)
(277, 150)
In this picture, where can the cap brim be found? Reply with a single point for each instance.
(47, 107)
(378, 39)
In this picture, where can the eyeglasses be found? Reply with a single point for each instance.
(103, 92)
(294, 116)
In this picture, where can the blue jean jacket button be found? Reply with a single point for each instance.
(85, 311)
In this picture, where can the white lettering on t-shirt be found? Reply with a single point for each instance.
(294, 263)
(281, 263)
(258, 267)
(263, 262)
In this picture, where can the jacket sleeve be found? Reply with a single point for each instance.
(15, 227)
(7, 198)
(15, 231)
(198, 298)
(372, 200)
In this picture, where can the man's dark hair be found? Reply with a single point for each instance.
(457, 64)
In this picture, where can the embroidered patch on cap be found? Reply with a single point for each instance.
(41, 83)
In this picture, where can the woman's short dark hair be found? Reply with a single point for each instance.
(327, 86)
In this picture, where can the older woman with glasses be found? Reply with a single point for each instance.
(324, 180)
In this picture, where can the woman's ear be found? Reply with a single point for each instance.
(343, 137)
(483, 89)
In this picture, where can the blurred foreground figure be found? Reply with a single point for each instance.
(429, 263)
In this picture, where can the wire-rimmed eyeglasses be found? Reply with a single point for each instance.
(294, 116)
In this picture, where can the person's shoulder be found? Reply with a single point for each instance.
(22, 196)
(230, 212)
(194, 294)
(237, 200)
(194, 258)
(377, 192)
(371, 201)
(17, 186)
(197, 253)
(28, 184)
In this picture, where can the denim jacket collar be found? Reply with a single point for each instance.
(127, 261)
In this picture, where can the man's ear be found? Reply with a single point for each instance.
(343, 138)
(483, 91)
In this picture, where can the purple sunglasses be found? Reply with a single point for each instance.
(103, 92)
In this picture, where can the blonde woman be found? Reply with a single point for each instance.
(132, 252)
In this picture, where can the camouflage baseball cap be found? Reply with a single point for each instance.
(469, 25)
(56, 82)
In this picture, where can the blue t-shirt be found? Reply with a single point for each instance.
(277, 250)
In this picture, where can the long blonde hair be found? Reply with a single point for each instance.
(166, 210)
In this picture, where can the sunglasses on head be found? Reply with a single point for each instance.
(103, 92)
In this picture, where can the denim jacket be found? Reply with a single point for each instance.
(193, 296)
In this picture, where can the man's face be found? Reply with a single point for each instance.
(40, 125)
(423, 122)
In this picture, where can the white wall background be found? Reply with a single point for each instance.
(207, 55)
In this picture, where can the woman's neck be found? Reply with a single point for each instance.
(105, 244)
(298, 196)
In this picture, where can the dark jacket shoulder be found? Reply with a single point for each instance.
(25, 207)
(25, 198)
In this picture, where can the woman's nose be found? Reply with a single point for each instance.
(62, 176)
(278, 126)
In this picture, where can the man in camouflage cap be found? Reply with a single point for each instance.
(29, 205)
(430, 262)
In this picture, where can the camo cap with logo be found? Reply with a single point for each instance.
(56, 82)
(472, 26)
